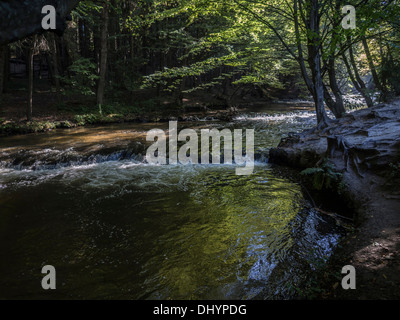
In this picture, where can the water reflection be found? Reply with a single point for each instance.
(127, 230)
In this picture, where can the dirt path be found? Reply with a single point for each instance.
(373, 249)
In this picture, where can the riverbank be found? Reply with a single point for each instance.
(362, 150)
(67, 120)
(43, 125)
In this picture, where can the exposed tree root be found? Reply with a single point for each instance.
(339, 143)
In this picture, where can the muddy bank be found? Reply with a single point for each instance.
(359, 157)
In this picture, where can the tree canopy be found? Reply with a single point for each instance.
(116, 49)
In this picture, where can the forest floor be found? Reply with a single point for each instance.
(374, 250)
(365, 148)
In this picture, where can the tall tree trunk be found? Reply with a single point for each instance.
(30, 81)
(314, 56)
(355, 82)
(83, 33)
(337, 105)
(103, 56)
(372, 68)
(361, 84)
(56, 74)
(96, 46)
(319, 92)
(2, 68)
(315, 84)
(6, 68)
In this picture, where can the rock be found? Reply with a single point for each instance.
(366, 140)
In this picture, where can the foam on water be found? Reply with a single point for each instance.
(287, 117)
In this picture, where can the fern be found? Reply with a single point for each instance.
(311, 171)
(324, 176)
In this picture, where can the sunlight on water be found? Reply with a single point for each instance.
(287, 117)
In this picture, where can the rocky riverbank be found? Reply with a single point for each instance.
(362, 149)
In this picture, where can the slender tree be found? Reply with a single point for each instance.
(103, 56)
(3, 50)
(31, 54)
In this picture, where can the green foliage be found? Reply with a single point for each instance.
(81, 120)
(120, 109)
(183, 46)
(222, 43)
(96, 118)
(390, 72)
(325, 177)
(83, 77)
(28, 127)
(312, 171)
(65, 124)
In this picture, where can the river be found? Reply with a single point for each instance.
(114, 227)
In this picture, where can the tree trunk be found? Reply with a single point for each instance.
(2, 68)
(337, 105)
(83, 34)
(314, 57)
(356, 84)
(54, 53)
(371, 65)
(322, 117)
(49, 62)
(6, 68)
(96, 46)
(30, 81)
(315, 84)
(361, 84)
(103, 57)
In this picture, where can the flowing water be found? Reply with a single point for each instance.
(114, 227)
